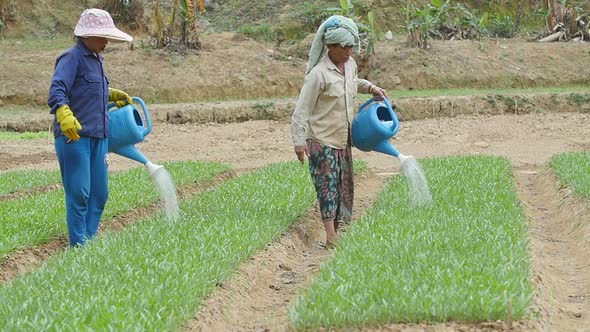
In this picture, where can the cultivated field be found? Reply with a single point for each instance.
(206, 124)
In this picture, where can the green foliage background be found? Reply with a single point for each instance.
(290, 17)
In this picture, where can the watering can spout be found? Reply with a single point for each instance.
(131, 152)
(387, 148)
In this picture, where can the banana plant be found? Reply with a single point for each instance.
(372, 35)
(366, 25)
(443, 20)
(182, 14)
(346, 6)
(344, 10)
(565, 21)
(187, 19)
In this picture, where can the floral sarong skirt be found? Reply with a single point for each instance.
(332, 175)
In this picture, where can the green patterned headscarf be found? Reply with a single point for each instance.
(336, 29)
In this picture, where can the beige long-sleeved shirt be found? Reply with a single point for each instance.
(325, 108)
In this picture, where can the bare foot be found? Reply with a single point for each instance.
(331, 236)
(331, 242)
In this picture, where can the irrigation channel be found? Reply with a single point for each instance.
(259, 294)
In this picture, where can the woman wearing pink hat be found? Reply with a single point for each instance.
(78, 97)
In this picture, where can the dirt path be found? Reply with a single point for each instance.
(560, 245)
(259, 295)
(527, 139)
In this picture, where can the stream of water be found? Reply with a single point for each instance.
(163, 181)
(419, 190)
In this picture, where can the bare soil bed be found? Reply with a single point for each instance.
(259, 294)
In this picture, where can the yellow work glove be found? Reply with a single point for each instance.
(68, 122)
(119, 97)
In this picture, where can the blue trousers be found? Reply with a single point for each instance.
(84, 173)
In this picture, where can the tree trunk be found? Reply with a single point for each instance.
(552, 37)
(159, 25)
(2, 4)
(518, 18)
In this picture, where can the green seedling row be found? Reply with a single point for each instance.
(22, 180)
(9, 135)
(573, 169)
(29, 221)
(465, 258)
(153, 275)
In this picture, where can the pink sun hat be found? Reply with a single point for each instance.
(99, 23)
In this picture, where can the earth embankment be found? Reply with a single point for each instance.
(233, 67)
(409, 108)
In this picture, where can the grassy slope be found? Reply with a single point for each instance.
(51, 17)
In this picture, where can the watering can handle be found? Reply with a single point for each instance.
(395, 125)
(363, 106)
(148, 121)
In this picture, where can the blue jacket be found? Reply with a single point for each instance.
(80, 82)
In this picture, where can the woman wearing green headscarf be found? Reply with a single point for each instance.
(323, 115)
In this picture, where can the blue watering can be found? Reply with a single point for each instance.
(126, 128)
(374, 125)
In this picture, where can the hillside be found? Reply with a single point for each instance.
(25, 18)
(52, 18)
(37, 31)
(229, 102)
(233, 67)
(230, 66)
